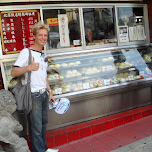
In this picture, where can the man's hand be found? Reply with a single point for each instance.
(51, 97)
(34, 66)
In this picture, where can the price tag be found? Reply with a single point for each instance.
(131, 77)
(86, 85)
(76, 42)
(107, 81)
(141, 73)
(58, 91)
(55, 76)
(109, 67)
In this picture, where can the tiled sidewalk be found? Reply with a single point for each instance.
(111, 139)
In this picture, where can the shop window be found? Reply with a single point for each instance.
(99, 26)
(64, 28)
(131, 24)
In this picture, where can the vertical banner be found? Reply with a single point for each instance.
(63, 30)
(16, 29)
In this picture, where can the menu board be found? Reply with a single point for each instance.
(16, 29)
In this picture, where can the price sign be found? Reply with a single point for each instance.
(107, 81)
(131, 77)
(109, 67)
(55, 76)
(86, 85)
(58, 91)
(16, 29)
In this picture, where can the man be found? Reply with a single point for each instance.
(39, 87)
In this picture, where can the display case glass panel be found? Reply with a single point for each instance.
(64, 28)
(86, 71)
(99, 26)
(131, 24)
(98, 69)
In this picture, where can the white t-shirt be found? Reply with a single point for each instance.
(38, 78)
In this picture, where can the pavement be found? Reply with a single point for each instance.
(135, 136)
(143, 145)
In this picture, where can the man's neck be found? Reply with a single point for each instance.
(37, 48)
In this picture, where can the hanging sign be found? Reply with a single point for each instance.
(16, 29)
(63, 30)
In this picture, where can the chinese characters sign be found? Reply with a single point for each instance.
(16, 29)
(63, 30)
(52, 21)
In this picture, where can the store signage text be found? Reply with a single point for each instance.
(16, 29)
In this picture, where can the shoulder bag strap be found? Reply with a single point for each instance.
(29, 62)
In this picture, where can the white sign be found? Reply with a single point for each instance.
(86, 85)
(136, 33)
(123, 33)
(141, 33)
(133, 33)
(58, 91)
(63, 30)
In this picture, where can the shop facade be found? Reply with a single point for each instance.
(99, 54)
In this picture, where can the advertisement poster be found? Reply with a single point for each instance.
(16, 29)
(123, 34)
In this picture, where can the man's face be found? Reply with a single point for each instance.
(41, 37)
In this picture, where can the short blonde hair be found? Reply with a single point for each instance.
(38, 26)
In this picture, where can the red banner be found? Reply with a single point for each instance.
(16, 29)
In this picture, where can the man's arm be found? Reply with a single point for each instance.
(49, 91)
(17, 71)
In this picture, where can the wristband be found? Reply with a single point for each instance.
(50, 90)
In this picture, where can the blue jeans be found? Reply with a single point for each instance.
(38, 121)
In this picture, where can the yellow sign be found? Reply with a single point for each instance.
(52, 21)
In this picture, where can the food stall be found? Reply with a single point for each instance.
(99, 55)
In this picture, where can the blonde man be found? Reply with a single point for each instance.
(39, 86)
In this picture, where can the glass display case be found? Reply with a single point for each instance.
(76, 73)
(79, 72)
